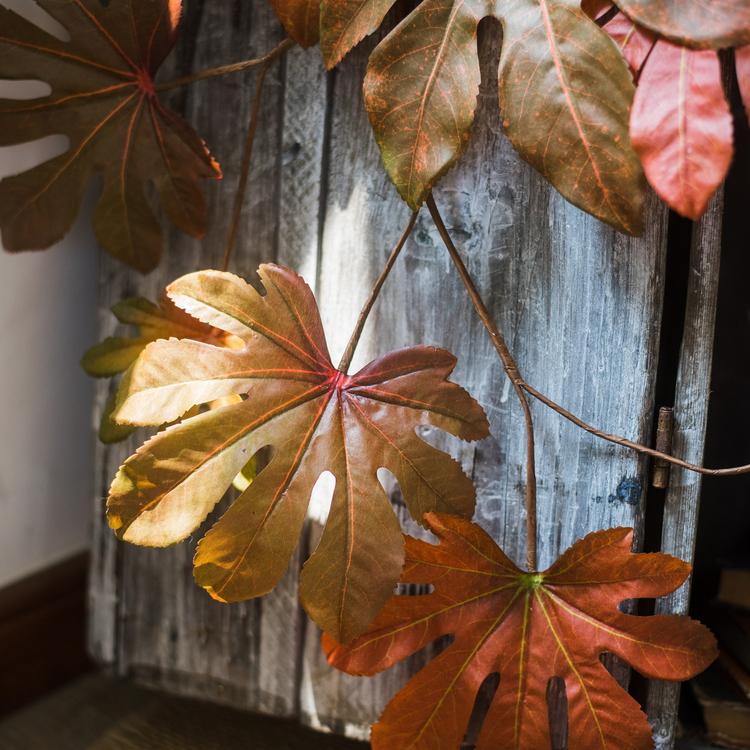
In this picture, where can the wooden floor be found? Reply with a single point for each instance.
(98, 713)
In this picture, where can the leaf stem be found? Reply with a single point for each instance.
(223, 70)
(511, 370)
(638, 447)
(351, 347)
(239, 197)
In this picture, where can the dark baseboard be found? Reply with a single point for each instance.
(42, 632)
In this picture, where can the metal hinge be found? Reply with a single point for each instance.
(664, 435)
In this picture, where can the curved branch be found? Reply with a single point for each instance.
(511, 370)
(351, 347)
(223, 70)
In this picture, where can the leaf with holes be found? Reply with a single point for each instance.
(529, 628)
(701, 23)
(300, 19)
(104, 100)
(315, 419)
(681, 126)
(115, 354)
(565, 95)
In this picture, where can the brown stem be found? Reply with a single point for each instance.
(239, 197)
(223, 70)
(619, 440)
(351, 347)
(511, 370)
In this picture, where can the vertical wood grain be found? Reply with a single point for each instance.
(579, 304)
(682, 502)
(149, 618)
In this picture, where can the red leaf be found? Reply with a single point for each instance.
(700, 23)
(742, 64)
(634, 41)
(528, 628)
(681, 126)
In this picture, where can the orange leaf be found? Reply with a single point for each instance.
(529, 628)
(103, 99)
(300, 18)
(634, 41)
(681, 126)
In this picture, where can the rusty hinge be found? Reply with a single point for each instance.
(664, 434)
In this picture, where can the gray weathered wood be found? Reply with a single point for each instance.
(682, 501)
(579, 303)
(150, 620)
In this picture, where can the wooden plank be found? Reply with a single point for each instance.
(149, 619)
(580, 305)
(682, 502)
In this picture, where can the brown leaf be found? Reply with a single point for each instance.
(345, 23)
(700, 23)
(529, 628)
(682, 127)
(565, 95)
(315, 419)
(300, 19)
(103, 100)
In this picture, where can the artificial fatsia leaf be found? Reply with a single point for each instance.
(565, 95)
(103, 99)
(701, 23)
(315, 419)
(300, 19)
(345, 23)
(681, 126)
(529, 628)
(115, 354)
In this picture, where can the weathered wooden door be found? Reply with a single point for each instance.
(581, 306)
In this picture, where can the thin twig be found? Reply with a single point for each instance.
(223, 70)
(511, 370)
(247, 155)
(351, 347)
(519, 382)
(619, 440)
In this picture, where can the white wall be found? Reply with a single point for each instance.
(47, 320)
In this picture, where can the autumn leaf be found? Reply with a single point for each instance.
(315, 419)
(115, 354)
(345, 23)
(300, 19)
(742, 63)
(565, 95)
(635, 42)
(714, 24)
(681, 126)
(529, 628)
(103, 99)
